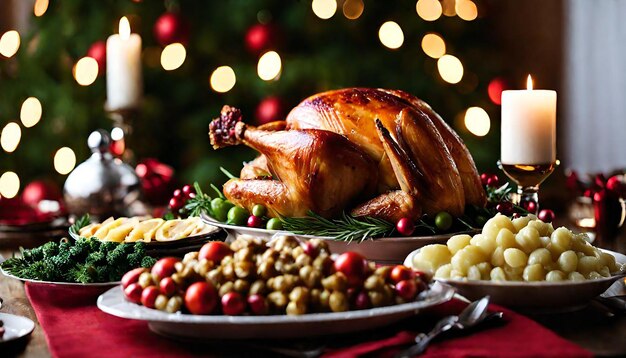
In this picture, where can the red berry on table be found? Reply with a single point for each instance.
(401, 273)
(406, 289)
(133, 292)
(187, 190)
(167, 286)
(484, 177)
(149, 295)
(175, 204)
(201, 298)
(255, 221)
(530, 206)
(233, 304)
(546, 215)
(257, 304)
(177, 193)
(405, 226)
(505, 208)
(353, 266)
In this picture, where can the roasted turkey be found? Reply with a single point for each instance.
(371, 152)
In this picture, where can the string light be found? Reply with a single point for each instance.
(477, 121)
(429, 10)
(10, 137)
(9, 185)
(391, 35)
(64, 160)
(324, 9)
(86, 71)
(30, 114)
(40, 8)
(450, 69)
(433, 45)
(173, 56)
(223, 79)
(352, 9)
(466, 9)
(9, 43)
(269, 66)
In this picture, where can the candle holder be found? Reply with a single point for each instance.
(124, 118)
(528, 177)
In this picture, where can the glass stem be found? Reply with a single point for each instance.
(527, 194)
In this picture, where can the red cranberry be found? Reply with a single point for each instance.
(233, 304)
(530, 206)
(255, 221)
(493, 181)
(405, 226)
(310, 249)
(362, 301)
(484, 177)
(188, 190)
(258, 305)
(177, 193)
(175, 204)
(546, 215)
(406, 289)
(505, 208)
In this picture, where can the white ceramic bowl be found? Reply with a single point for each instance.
(16, 327)
(278, 326)
(535, 296)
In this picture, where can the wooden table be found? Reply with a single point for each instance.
(593, 328)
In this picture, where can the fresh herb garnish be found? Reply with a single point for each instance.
(79, 224)
(199, 204)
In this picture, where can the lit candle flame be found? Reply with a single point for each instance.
(124, 28)
(529, 83)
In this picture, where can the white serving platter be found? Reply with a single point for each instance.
(277, 326)
(16, 327)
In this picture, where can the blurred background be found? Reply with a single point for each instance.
(265, 56)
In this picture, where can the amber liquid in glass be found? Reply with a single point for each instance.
(527, 175)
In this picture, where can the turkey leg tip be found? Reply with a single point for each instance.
(227, 129)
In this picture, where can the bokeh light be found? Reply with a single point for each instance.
(495, 88)
(433, 45)
(269, 66)
(352, 9)
(10, 137)
(117, 133)
(448, 7)
(429, 10)
(466, 9)
(450, 69)
(30, 114)
(477, 121)
(223, 79)
(86, 71)
(391, 35)
(9, 185)
(40, 8)
(173, 56)
(324, 9)
(64, 160)
(9, 43)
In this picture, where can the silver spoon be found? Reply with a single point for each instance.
(471, 315)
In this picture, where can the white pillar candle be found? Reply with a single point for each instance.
(528, 126)
(124, 79)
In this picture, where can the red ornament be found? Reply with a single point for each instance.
(260, 37)
(270, 109)
(157, 180)
(39, 190)
(405, 226)
(98, 51)
(495, 88)
(171, 27)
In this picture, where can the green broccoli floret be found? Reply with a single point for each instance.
(148, 261)
(50, 249)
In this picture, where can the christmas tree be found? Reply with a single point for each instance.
(263, 56)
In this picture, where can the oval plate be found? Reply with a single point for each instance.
(278, 326)
(535, 297)
(16, 327)
(385, 250)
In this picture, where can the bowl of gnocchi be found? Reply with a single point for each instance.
(523, 263)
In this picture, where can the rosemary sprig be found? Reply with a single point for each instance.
(199, 204)
(228, 174)
(79, 224)
(346, 228)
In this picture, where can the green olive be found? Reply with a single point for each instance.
(216, 207)
(274, 224)
(237, 216)
(259, 210)
(443, 221)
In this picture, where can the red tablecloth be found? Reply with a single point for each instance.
(75, 327)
